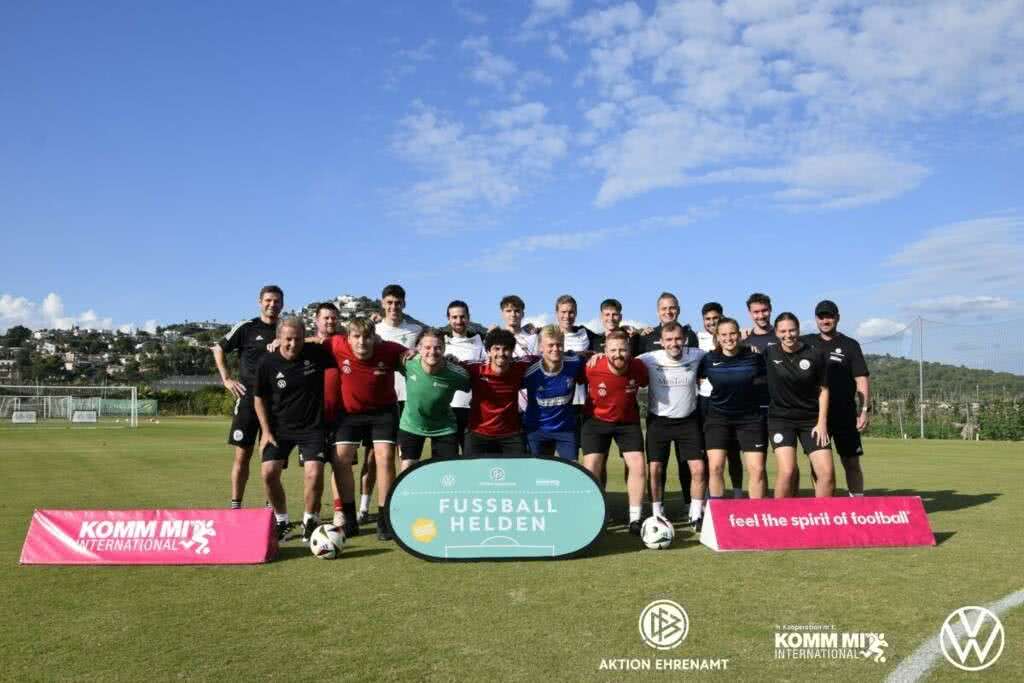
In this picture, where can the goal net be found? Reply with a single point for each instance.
(75, 405)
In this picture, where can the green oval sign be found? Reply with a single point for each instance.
(496, 509)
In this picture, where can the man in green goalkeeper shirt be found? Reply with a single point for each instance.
(430, 383)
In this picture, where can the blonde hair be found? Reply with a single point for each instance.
(553, 332)
(363, 326)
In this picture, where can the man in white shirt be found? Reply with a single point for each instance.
(672, 417)
(460, 341)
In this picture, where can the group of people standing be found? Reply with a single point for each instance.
(719, 396)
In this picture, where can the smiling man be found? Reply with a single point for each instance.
(249, 339)
(289, 403)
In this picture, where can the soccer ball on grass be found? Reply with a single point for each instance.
(327, 541)
(657, 533)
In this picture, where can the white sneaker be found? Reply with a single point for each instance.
(339, 518)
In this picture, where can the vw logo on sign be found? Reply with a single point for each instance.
(963, 643)
(448, 481)
(497, 474)
(664, 624)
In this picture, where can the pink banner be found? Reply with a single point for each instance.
(796, 523)
(150, 537)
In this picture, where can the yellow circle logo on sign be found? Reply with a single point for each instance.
(424, 530)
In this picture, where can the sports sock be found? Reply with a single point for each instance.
(306, 516)
(634, 513)
(364, 503)
(235, 504)
(658, 509)
(696, 508)
(856, 495)
(337, 504)
(349, 509)
(281, 517)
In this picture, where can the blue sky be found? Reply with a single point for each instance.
(161, 162)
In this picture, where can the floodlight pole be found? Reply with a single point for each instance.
(920, 370)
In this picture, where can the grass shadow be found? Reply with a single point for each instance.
(943, 536)
(286, 553)
(940, 501)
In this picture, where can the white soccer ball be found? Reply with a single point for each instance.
(657, 533)
(327, 541)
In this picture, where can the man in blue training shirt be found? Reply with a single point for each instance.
(550, 383)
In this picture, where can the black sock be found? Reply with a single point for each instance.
(349, 509)
(236, 504)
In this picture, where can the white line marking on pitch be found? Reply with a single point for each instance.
(914, 667)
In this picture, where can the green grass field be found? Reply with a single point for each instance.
(380, 614)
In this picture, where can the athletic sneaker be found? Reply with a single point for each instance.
(283, 530)
(363, 517)
(384, 529)
(698, 525)
(339, 519)
(308, 528)
(634, 527)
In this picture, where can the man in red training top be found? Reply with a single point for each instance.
(613, 379)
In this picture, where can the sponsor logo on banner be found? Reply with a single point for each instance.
(150, 537)
(664, 625)
(824, 641)
(496, 509)
(23, 416)
(972, 638)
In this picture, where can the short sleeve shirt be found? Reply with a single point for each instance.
(294, 390)
(612, 397)
(795, 381)
(249, 338)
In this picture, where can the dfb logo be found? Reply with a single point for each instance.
(664, 624)
(961, 636)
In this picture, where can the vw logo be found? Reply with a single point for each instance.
(448, 481)
(963, 643)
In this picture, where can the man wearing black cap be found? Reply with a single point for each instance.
(847, 378)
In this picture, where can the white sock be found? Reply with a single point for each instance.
(306, 516)
(364, 503)
(634, 513)
(737, 493)
(658, 509)
(281, 516)
(856, 495)
(696, 508)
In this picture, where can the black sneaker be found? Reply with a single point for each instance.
(308, 527)
(634, 527)
(363, 517)
(688, 521)
(384, 529)
(284, 529)
(351, 528)
(697, 525)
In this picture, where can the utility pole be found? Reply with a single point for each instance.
(920, 370)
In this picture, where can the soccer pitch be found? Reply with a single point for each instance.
(379, 613)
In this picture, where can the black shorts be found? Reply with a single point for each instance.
(245, 426)
(379, 426)
(597, 436)
(684, 432)
(722, 434)
(480, 444)
(446, 446)
(846, 438)
(311, 449)
(786, 434)
(461, 421)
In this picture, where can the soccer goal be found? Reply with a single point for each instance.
(75, 405)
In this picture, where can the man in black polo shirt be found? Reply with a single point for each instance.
(668, 312)
(847, 379)
(289, 402)
(249, 339)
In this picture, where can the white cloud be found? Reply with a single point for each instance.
(50, 314)
(465, 10)
(815, 95)
(984, 255)
(490, 69)
(874, 328)
(485, 168)
(543, 11)
(956, 304)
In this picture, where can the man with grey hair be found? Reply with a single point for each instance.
(289, 403)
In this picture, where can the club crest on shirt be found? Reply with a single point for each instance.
(281, 384)
(602, 390)
(805, 364)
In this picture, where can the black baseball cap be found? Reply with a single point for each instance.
(826, 308)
